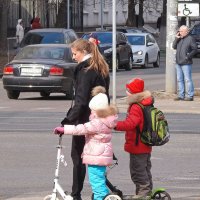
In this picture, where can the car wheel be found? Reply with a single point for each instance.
(13, 94)
(157, 63)
(44, 94)
(70, 93)
(145, 62)
(129, 65)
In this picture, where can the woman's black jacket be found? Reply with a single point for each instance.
(85, 81)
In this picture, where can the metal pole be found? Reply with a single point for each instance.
(56, 7)
(188, 21)
(172, 24)
(8, 50)
(68, 21)
(102, 15)
(114, 49)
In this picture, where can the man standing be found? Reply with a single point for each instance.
(158, 24)
(186, 48)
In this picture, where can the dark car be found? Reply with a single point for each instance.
(125, 29)
(49, 36)
(195, 32)
(124, 52)
(44, 68)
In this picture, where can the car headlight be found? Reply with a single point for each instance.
(107, 51)
(138, 53)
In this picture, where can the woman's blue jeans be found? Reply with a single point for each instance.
(185, 83)
(97, 181)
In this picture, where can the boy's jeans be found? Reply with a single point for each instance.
(184, 78)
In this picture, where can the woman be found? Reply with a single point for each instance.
(91, 71)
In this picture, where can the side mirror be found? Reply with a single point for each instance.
(150, 43)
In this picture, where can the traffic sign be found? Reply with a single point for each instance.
(188, 9)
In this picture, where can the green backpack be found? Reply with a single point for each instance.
(155, 131)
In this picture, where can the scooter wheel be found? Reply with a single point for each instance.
(161, 195)
(49, 197)
(112, 197)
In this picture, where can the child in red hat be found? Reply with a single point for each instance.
(140, 154)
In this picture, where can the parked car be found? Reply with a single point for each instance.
(125, 29)
(49, 36)
(44, 68)
(195, 32)
(123, 49)
(145, 49)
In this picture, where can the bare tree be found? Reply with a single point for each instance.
(131, 13)
(61, 20)
(4, 6)
(140, 15)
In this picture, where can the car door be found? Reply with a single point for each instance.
(122, 49)
(151, 48)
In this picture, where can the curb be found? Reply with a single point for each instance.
(164, 101)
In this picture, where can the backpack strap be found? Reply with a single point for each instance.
(138, 132)
(137, 135)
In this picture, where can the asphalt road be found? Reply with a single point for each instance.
(28, 153)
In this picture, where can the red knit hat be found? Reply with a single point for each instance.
(135, 86)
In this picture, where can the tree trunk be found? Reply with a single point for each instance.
(140, 16)
(4, 5)
(164, 14)
(163, 26)
(61, 18)
(131, 13)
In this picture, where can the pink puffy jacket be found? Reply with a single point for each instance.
(98, 133)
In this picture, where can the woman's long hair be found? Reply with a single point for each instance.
(97, 61)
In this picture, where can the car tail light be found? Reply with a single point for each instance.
(8, 69)
(56, 71)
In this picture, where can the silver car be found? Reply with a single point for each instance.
(144, 48)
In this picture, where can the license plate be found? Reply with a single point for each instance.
(31, 71)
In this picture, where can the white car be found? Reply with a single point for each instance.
(144, 48)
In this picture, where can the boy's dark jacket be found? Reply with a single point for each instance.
(133, 119)
(85, 81)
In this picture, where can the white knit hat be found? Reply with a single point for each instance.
(100, 101)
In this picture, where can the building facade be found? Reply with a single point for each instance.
(83, 13)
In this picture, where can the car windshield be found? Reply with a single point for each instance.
(196, 30)
(43, 38)
(136, 39)
(31, 52)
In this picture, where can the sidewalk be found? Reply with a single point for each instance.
(164, 101)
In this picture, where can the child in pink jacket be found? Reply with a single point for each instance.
(98, 151)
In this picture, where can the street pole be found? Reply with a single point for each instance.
(172, 24)
(68, 21)
(102, 15)
(188, 21)
(114, 49)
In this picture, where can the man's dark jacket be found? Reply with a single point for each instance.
(85, 81)
(186, 48)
